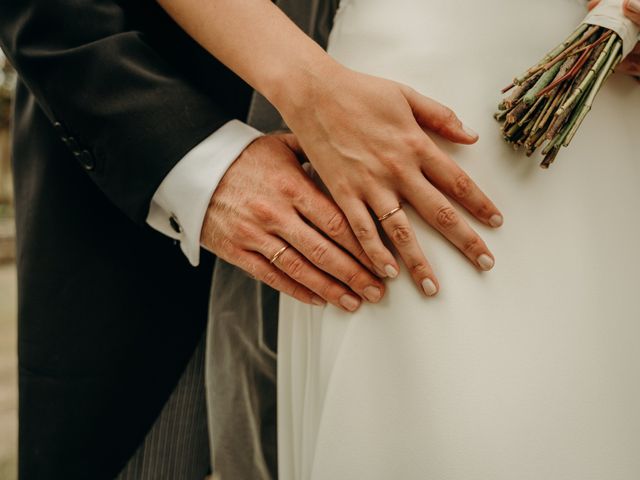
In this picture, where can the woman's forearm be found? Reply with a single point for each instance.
(258, 42)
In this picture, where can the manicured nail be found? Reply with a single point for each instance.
(391, 271)
(496, 220)
(429, 287)
(634, 6)
(349, 303)
(469, 131)
(485, 262)
(373, 294)
(318, 301)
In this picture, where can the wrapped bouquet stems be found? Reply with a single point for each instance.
(546, 105)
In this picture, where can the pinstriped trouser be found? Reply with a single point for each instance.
(177, 446)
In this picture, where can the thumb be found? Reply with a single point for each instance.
(632, 10)
(291, 141)
(435, 117)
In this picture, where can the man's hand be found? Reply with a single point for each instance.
(367, 139)
(631, 64)
(266, 202)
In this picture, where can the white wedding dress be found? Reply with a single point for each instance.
(528, 372)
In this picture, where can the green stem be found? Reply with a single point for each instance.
(542, 82)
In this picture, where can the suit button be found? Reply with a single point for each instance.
(85, 159)
(173, 221)
(62, 132)
(73, 145)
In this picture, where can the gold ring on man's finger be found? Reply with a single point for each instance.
(390, 213)
(277, 255)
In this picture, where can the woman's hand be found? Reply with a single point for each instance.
(367, 139)
(364, 135)
(631, 64)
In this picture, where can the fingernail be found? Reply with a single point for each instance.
(318, 301)
(496, 220)
(391, 271)
(469, 131)
(634, 6)
(485, 262)
(373, 294)
(429, 287)
(349, 303)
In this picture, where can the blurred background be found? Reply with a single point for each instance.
(8, 330)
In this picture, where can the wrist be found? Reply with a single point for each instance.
(296, 88)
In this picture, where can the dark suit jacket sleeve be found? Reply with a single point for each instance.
(124, 112)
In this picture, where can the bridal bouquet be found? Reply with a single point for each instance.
(547, 104)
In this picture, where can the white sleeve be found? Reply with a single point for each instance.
(179, 205)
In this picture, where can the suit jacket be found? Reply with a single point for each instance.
(112, 95)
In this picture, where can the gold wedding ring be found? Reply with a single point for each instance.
(276, 255)
(389, 213)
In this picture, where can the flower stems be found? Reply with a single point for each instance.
(550, 101)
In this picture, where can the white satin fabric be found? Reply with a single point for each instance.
(530, 371)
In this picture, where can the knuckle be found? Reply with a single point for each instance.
(342, 188)
(447, 120)
(416, 144)
(243, 231)
(446, 217)
(449, 117)
(295, 268)
(483, 210)
(226, 245)
(462, 186)
(352, 277)
(296, 292)
(377, 256)
(393, 165)
(337, 225)
(319, 253)
(288, 187)
(264, 212)
(325, 289)
(251, 270)
(271, 277)
(419, 269)
(401, 235)
(364, 233)
(470, 245)
(361, 254)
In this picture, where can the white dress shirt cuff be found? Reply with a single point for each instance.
(180, 203)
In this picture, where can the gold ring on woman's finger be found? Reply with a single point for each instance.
(277, 255)
(390, 213)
